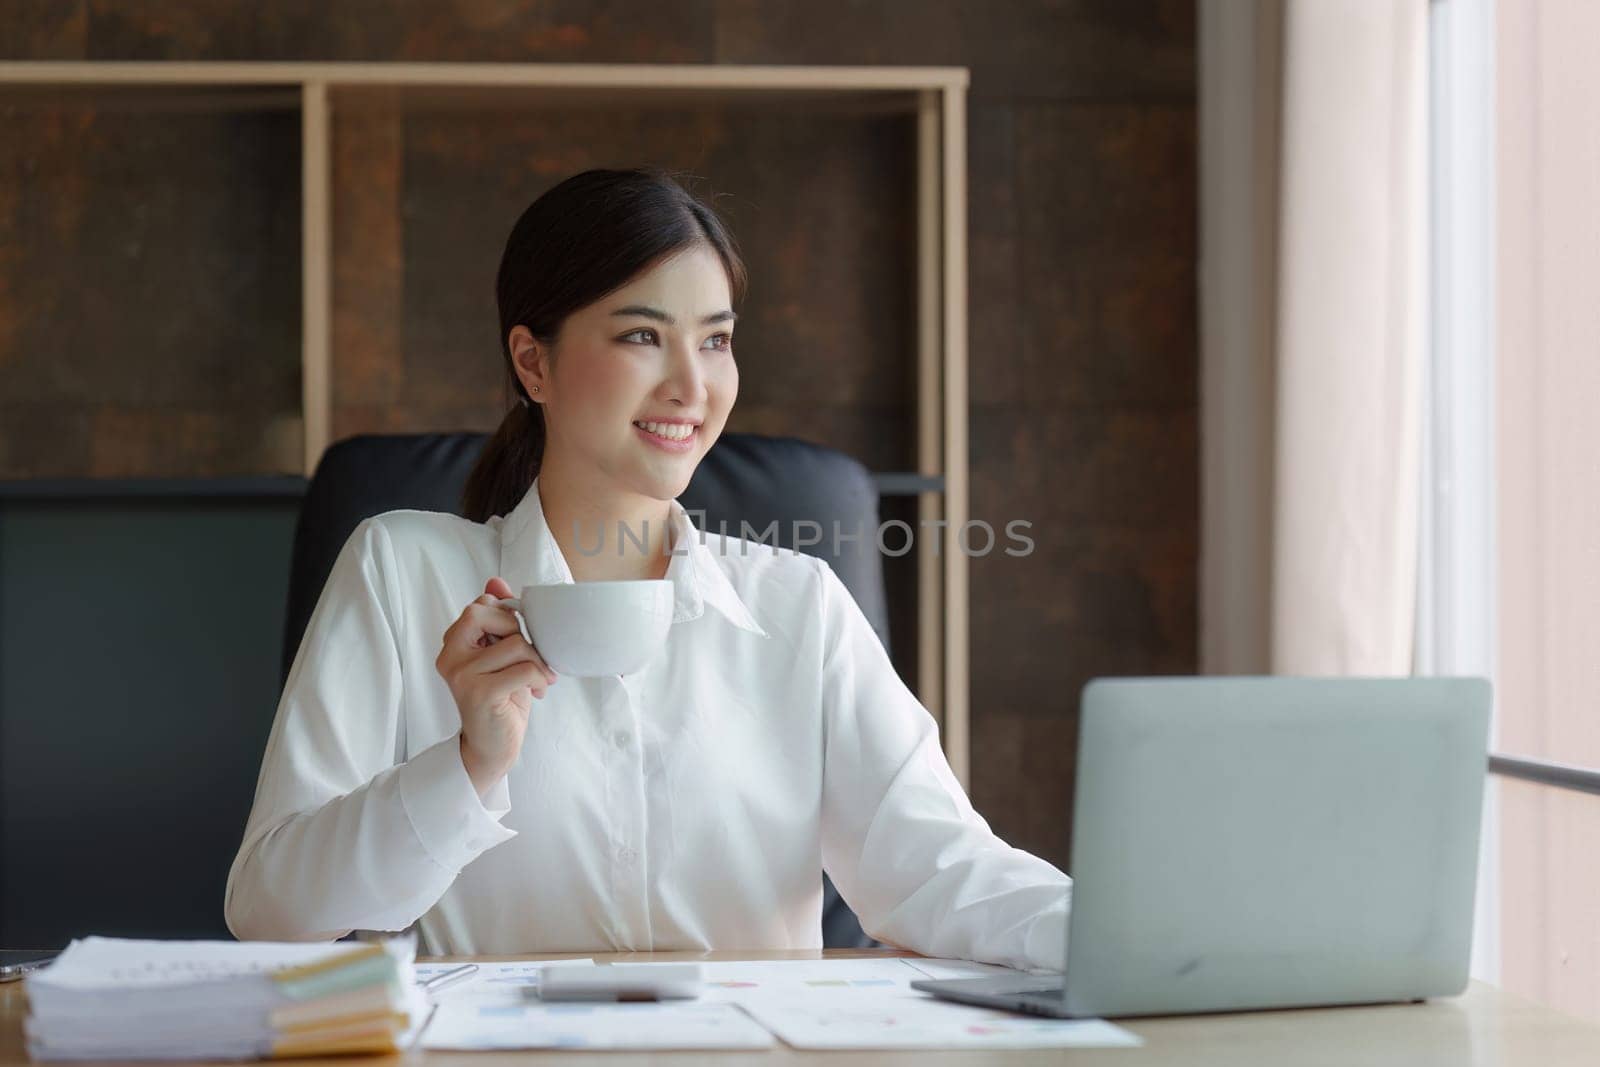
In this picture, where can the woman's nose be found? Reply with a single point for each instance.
(686, 378)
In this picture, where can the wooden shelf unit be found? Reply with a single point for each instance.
(936, 94)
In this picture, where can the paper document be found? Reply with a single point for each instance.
(916, 1021)
(477, 1023)
(490, 1011)
(869, 1003)
(738, 981)
(942, 969)
(115, 965)
(810, 1004)
(492, 979)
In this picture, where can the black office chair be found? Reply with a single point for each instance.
(745, 477)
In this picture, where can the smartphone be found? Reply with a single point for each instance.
(619, 982)
(15, 963)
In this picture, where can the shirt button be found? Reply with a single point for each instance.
(622, 738)
(627, 855)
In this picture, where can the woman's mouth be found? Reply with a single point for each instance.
(668, 436)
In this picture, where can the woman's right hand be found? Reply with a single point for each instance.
(495, 676)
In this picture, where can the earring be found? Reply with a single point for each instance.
(536, 388)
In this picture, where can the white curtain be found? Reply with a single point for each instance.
(1313, 312)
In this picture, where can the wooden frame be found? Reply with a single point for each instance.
(939, 100)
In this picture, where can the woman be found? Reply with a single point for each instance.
(427, 767)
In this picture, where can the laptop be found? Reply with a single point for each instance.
(1250, 843)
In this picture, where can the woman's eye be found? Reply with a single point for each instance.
(722, 342)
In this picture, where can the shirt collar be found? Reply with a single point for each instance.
(529, 555)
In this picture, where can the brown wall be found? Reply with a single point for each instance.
(173, 348)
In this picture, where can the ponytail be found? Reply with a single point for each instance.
(508, 465)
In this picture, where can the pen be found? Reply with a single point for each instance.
(445, 979)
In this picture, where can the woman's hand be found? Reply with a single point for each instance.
(495, 676)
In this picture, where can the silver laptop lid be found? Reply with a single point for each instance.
(1272, 842)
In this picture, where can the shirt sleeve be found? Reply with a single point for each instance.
(342, 836)
(900, 839)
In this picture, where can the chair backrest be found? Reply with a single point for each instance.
(743, 479)
(122, 807)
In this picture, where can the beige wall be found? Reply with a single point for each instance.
(1548, 437)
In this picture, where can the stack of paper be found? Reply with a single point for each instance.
(108, 998)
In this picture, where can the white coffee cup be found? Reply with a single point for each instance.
(594, 629)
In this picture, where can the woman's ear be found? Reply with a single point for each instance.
(531, 361)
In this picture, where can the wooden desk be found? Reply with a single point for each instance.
(1485, 1027)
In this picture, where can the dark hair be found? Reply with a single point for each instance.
(586, 237)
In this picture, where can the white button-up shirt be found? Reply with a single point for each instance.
(692, 805)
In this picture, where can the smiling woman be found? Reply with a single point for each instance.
(427, 766)
(598, 253)
(627, 411)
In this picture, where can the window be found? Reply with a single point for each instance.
(1511, 535)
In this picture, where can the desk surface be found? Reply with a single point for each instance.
(1484, 1027)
